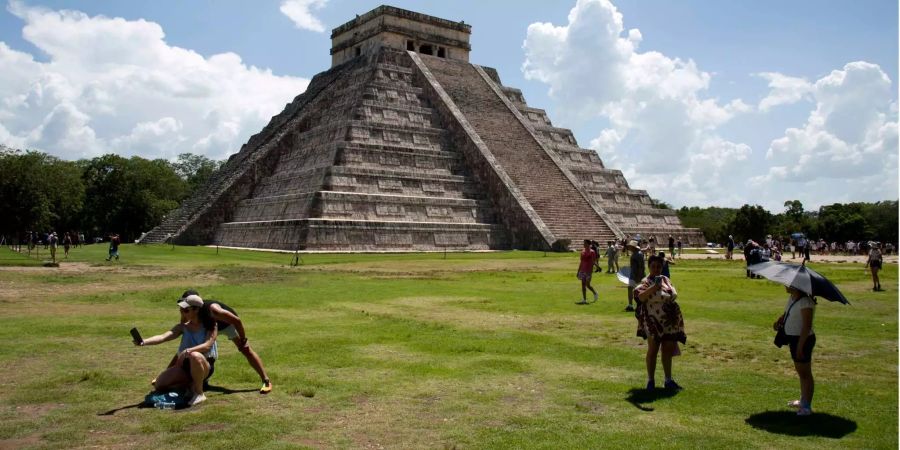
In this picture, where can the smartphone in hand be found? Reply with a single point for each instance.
(136, 336)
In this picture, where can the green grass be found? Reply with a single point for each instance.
(427, 350)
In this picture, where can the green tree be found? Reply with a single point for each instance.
(129, 196)
(751, 222)
(713, 221)
(38, 192)
(195, 169)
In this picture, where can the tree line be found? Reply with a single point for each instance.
(106, 194)
(839, 222)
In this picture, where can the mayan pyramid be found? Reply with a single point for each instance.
(405, 145)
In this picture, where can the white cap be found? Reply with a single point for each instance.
(191, 300)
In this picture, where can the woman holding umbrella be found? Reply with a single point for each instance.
(659, 321)
(797, 322)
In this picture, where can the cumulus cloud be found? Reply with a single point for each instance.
(852, 132)
(660, 115)
(783, 90)
(115, 85)
(299, 11)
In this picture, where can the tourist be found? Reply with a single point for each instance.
(595, 246)
(873, 263)
(585, 269)
(637, 272)
(729, 248)
(67, 243)
(610, 256)
(659, 322)
(680, 248)
(195, 361)
(53, 243)
(229, 324)
(619, 248)
(797, 321)
(113, 247)
(665, 270)
(671, 245)
(803, 247)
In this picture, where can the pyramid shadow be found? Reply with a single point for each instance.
(787, 422)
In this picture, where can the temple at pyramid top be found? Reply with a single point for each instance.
(400, 29)
(404, 145)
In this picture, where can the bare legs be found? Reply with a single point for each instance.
(668, 350)
(807, 384)
(174, 377)
(876, 283)
(585, 286)
(253, 359)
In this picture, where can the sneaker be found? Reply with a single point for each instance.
(629, 308)
(651, 385)
(153, 382)
(804, 412)
(595, 296)
(266, 387)
(199, 398)
(583, 302)
(672, 385)
(794, 404)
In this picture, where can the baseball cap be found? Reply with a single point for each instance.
(190, 300)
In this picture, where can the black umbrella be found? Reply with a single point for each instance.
(800, 277)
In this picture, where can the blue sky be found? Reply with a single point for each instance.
(697, 134)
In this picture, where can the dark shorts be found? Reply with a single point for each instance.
(807, 348)
(875, 265)
(186, 367)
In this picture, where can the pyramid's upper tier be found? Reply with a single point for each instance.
(387, 26)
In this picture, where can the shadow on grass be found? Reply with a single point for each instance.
(226, 391)
(638, 397)
(787, 422)
(220, 389)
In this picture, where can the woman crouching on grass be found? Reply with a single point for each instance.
(659, 321)
(196, 354)
(797, 321)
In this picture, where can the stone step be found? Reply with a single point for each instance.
(361, 235)
(401, 208)
(403, 182)
(426, 163)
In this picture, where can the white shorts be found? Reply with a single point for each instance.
(229, 331)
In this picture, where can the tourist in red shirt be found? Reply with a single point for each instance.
(585, 269)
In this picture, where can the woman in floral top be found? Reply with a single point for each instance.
(659, 321)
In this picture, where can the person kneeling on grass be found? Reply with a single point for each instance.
(197, 353)
(229, 324)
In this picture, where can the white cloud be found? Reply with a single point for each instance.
(662, 131)
(852, 132)
(299, 11)
(784, 90)
(116, 85)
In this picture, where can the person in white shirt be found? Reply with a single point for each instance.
(797, 321)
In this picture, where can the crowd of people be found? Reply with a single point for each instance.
(51, 241)
(652, 297)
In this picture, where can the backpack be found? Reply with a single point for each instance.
(167, 400)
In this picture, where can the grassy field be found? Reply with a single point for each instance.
(432, 351)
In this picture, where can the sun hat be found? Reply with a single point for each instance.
(191, 300)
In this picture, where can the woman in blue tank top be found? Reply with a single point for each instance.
(196, 353)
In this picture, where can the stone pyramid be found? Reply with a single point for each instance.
(405, 145)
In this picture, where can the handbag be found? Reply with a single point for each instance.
(781, 338)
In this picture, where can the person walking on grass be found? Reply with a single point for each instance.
(637, 271)
(197, 353)
(229, 324)
(113, 247)
(671, 245)
(610, 256)
(67, 243)
(659, 322)
(585, 269)
(873, 263)
(797, 321)
(729, 248)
